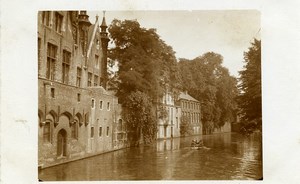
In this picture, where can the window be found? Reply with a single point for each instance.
(86, 119)
(46, 18)
(108, 106)
(89, 79)
(51, 58)
(101, 104)
(92, 132)
(107, 131)
(97, 61)
(120, 128)
(46, 132)
(78, 97)
(95, 80)
(78, 79)
(58, 22)
(177, 122)
(74, 130)
(93, 103)
(100, 131)
(52, 93)
(66, 66)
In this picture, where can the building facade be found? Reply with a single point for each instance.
(191, 110)
(169, 117)
(77, 116)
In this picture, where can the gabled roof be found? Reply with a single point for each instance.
(93, 29)
(186, 96)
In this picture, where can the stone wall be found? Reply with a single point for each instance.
(64, 110)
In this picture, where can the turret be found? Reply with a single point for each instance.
(84, 24)
(104, 41)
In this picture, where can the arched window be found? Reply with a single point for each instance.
(101, 104)
(93, 103)
(47, 131)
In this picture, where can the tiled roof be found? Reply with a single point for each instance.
(186, 96)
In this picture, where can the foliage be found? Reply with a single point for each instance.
(162, 112)
(145, 62)
(185, 126)
(138, 111)
(147, 68)
(249, 99)
(209, 82)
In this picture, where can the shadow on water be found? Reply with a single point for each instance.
(231, 156)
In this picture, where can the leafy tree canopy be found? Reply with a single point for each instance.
(147, 68)
(145, 62)
(249, 99)
(209, 82)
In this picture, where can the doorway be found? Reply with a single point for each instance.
(62, 143)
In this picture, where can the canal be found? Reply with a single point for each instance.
(229, 156)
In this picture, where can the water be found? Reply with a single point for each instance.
(229, 157)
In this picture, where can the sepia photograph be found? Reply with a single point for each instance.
(149, 91)
(149, 95)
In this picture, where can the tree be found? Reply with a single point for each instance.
(139, 112)
(249, 99)
(147, 69)
(209, 82)
(145, 62)
(185, 126)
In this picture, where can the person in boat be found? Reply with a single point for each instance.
(194, 142)
(197, 143)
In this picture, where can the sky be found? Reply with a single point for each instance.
(193, 33)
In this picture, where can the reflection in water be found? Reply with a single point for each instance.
(230, 156)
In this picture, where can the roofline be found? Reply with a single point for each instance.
(93, 37)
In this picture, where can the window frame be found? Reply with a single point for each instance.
(100, 132)
(46, 18)
(93, 103)
(89, 84)
(101, 105)
(95, 80)
(66, 66)
(92, 132)
(107, 131)
(78, 77)
(78, 97)
(96, 61)
(51, 61)
(52, 92)
(74, 131)
(108, 106)
(47, 135)
(58, 22)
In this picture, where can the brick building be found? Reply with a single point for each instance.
(191, 109)
(77, 116)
